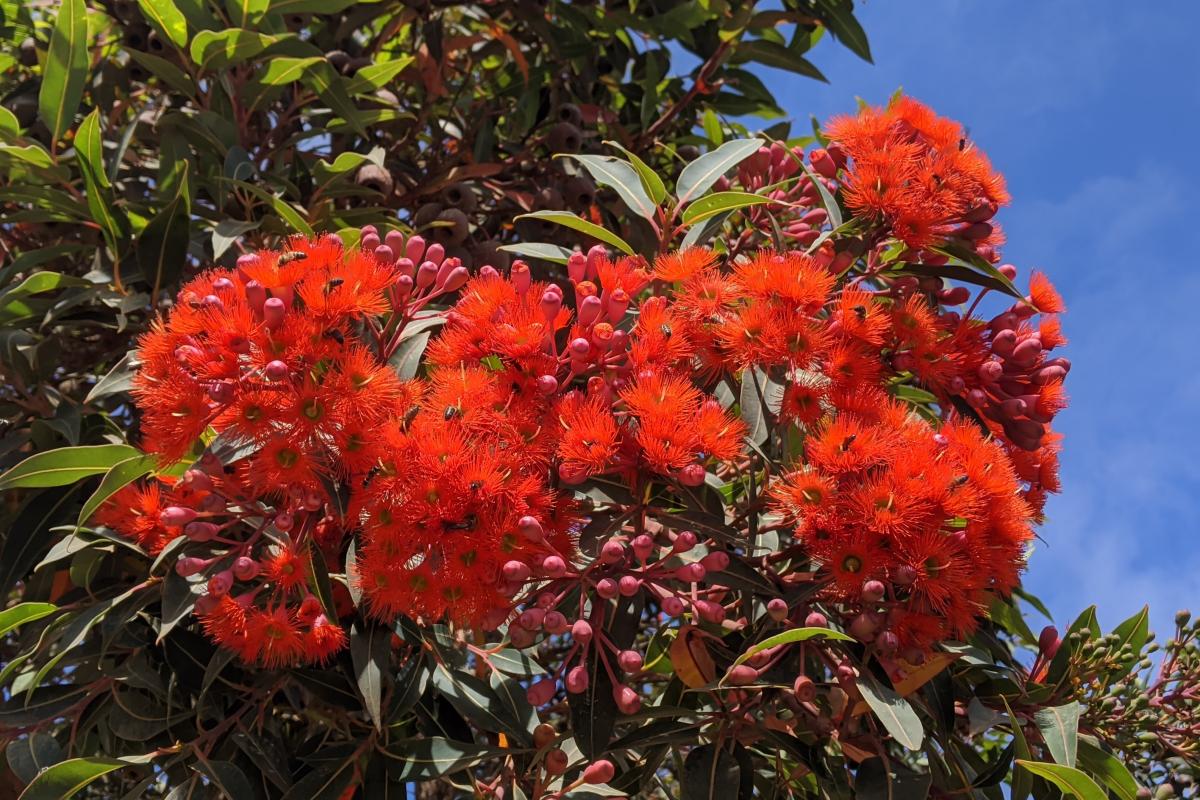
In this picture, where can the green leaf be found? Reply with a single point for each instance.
(290, 215)
(371, 652)
(1132, 633)
(12, 618)
(713, 204)
(1022, 782)
(961, 255)
(218, 50)
(66, 68)
(790, 636)
(710, 773)
(546, 252)
(1006, 615)
(760, 398)
(29, 756)
(774, 54)
(575, 222)
(1060, 730)
(331, 87)
(281, 71)
(326, 782)
(827, 200)
(247, 12)
(161, 248)
(167, 18)
(228, 777)
(838, 18)
(623, 178)
(1111, 772)
(227, 232)
(40, 282)
(65, 465)
(1070, 780)
(116, 380)
(374, 76)
(165, 71)
(894, 712)
(118, 476)
(875, 780)
(698, 176)
(89, 147)
(313, 6)
(65, 778)
(651, 181)
(436, 756)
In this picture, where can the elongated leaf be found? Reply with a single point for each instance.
(40, 282)
(290, 215)
(894, 712)
(66, 68)
(371, 650)
(759, 399)
(165, 71)
(709, 773)
(217, 50)
(791, 636)
(773, 54)
(698, 176)
(161, 249)
(11, 618)
(327, 782)
(876, 781)
(1105, 767)
(89, 148)
(623, 178)
(713, 204)
(118, 476)
(651, 182)
(65, 778)
(228, 777)
(1069, 779)
(1022, 781)
(167, 18)
(838, 17)
(116, 380)
(434, 757)
(578, 223)
(546, 252)
(29, 756)
(1060, 730)
(374, 76)
(66, 465)
(1132, 633)
(282, 71)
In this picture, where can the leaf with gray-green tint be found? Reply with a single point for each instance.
(28, 537)
(165, 71)
(1070, 780)
(709, 773)
(698, 176)
(1022, 781)
(65, 73)
(179, 596)
(29, 756)
(761, 397)
(228, 777)
(371, 650)
(515, 662)
(876, 781)
(326, 782)
(476, 701)
(623, 178)
(651, 182)
(435, 756)
(720, 203)
(229, 231)
(893, 711)
(1060, 730)
(578, 223)
(65, 465)
(161, 248)
(1108, 770)
(267, 753)
(119, 475)
(546, 252)
(791, 636)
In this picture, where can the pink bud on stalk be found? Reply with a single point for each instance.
(541, 692)
(601, 771)
(175, 516)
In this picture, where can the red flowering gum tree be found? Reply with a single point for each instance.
(739, 511)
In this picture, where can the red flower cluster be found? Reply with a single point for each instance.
(919, 173)
(915, 526)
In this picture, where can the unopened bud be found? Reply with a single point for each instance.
(220, 584)
(175, 516)
(816, 619)
(607, 588)
(517, 571)
(245, 568)
(577, 680)
(189, 565)
(581, 631)
(741, 675)
(628, 701)
(541, 692)
(601, 771)
(629, 585)
(554, 566)
(555, 623)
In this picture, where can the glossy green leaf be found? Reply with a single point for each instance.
(896, 714)
(709, 773)
(378, 75)
(290, 215)
(623, 178)
(1108, 770)
(433, 757)
(546, 252)
(27, 757)
(1022, 781)
(90, 149)
(371, 650)
(218, 50)
(281, 71)
(651, 182)
(118, 476)
(66, 69)
(578, 223)
(64, 779)
(838, 18)
(713, 204)
(1060, 730)
(161, 248)
(773, 54)
(165, 71)
(327, 782)
(66, 465)
(167, 18)
(116, 380)
(1071, 781)
(698, 176)
(14, 617)
(791, 636)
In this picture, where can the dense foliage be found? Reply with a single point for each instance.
(449, 395)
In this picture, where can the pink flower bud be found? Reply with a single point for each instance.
(643, 547)
(174, 516)
(684, 541)
(205, 604)
(741, 675)
(692, 475)
(1009, 271)
(554, 567)
(189, 565)
(456, 279)
(520, 276)
(531, 619)
(284, 521)
(692, 573)
(863, 628)
(404, 288)
(904, 575)
(530, 529)
(777, 609)
(628, 701)
(517, 571)
(672, 606)
(273, 312)
(595, 254)
(804, 689)
(426, 274)
(710, 611)
(555, 623)
(541, 692)
(601, 771)
(887, 643)
(546, 600)
(873, 591)
(579, 348)
(990, 371)
(414, 249)
(956, 296)
(384, 254)
(245, 568)
(547, 384)
(630, 661)
(589, 310)
(612, 552)
(435, 253)
(551, 304)
(607, 588)
(577, 680)
(520, 637)
(822, 163)
(220, 584)
(629, 585)
(369, 240)
(1049, 642)
(816, 619)
(581, 631)
(715, 562)
(577, 267)
(276, 370)
(197, 480)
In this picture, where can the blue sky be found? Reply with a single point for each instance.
(1091, 108)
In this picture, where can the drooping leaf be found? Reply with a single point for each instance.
(434, 757)
(64, 779)
(66, 69)
(546, 252)
(710, 773)
(1060, 730)
(578, 223)
(118, 476)
(29, 756)
(875, 780)
(790, 636)
(14, 617)
(1108, 770)
(651, 182)
(218, 50)
(719, 203)
(1070, 780)
(65, 465)
(371, 650)
(894, 712)
(623, 178)
(161, 249)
